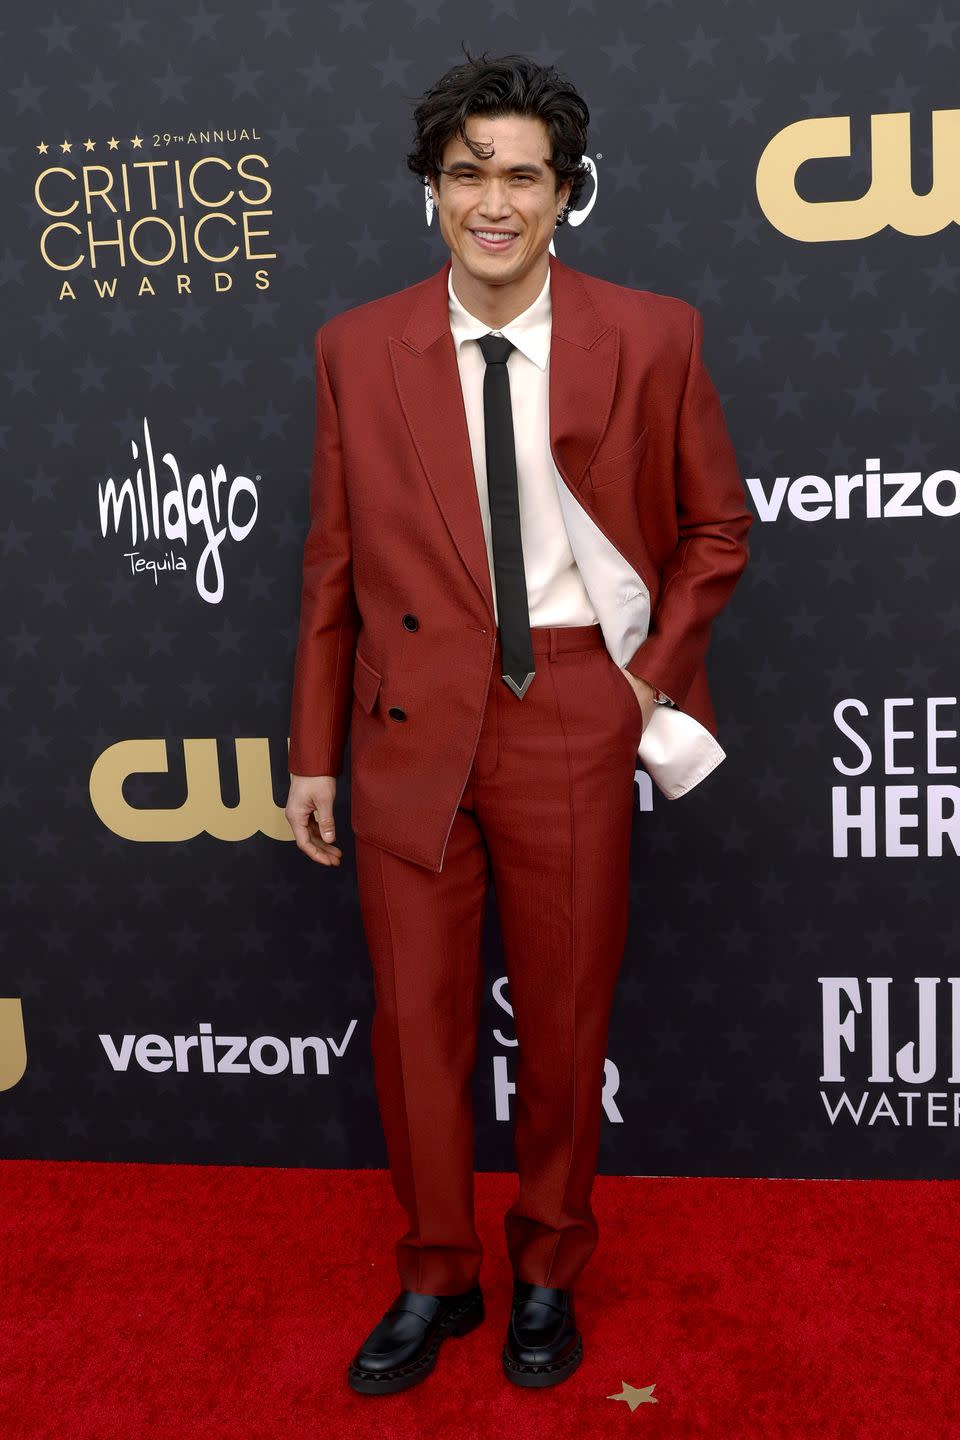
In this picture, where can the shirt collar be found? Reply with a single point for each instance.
(529, 331)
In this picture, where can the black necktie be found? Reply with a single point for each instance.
(513, 617)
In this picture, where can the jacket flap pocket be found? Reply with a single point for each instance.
(366, 682)
(617, 467)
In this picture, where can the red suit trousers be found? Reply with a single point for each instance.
(547, 814)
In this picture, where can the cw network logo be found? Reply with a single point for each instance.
(891, 197)
(198, 807)
(872, 495)
(13, 1044)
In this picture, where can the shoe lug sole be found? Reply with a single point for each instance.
(537, 1377)
(388, 1382)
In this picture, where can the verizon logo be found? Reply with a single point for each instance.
(872, 495)
(225, 1054)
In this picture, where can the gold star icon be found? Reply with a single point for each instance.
(89, 144)
(635, 1397)
(136, 142)
(43, 147)
(112, 143)
(66, 147)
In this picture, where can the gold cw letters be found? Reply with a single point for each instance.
(13, 1044)
(202, 810)
(890, 198)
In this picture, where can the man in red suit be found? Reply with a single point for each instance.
(525, 515)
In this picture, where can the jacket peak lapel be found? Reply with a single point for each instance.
(427, 379)
(584, 360)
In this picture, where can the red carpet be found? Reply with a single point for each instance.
(209, 1302)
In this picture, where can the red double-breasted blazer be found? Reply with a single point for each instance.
(397, 606)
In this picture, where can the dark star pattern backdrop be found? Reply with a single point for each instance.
(168, 903)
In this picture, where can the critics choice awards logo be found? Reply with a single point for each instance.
(113, 210)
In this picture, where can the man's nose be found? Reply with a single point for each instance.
(495, 199)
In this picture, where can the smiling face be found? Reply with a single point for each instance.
(498, 215)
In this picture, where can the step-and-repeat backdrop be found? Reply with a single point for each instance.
(189, 195)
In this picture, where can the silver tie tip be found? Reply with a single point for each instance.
(520, 690)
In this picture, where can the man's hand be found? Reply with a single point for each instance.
(646, 696)
(314, 832)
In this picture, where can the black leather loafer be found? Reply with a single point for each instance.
(543, 1345)
(402, 1347)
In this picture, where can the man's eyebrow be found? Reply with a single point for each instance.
(530, 168)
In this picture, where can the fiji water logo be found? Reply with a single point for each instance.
(160, 507)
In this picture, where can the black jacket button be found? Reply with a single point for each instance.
(396, 713)
(411, 622)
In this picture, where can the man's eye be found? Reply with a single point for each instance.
(463, 177)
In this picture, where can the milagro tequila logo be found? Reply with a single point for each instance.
(211, 507)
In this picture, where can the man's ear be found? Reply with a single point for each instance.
(434, 183)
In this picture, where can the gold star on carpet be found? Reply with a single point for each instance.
(635, 1397)
(112, 143)
(136, 142)
(43, 147)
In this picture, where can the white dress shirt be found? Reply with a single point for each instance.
(556, 594)
(575, 574)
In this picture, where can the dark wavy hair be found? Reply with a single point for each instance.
(510, 85)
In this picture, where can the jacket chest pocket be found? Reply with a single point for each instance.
(617, 467)
(366, 682)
